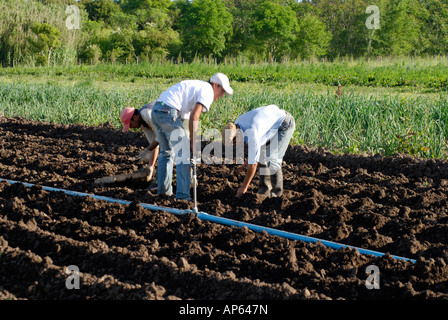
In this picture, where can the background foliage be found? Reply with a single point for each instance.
(34, 32)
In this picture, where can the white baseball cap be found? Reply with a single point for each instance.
(222, 80)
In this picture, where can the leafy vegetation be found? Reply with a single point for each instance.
(134, 31)
(356, 121)
(422, 74)
(291, 53)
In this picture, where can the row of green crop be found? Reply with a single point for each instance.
(418, 74)
(351, 123)
(79, 103)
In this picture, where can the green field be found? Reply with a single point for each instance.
(387, 106)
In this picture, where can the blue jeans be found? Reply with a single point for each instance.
(174, 147)
(275, 150)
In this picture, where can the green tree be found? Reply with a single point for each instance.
(131, 6)
(89, 46)
(400, 29)
(101, 10)
(241, 42)
(58, 2)
(345, 19)
(204, 26)
(433, 15)
(313, 37)
(119, 46)
(120, 21)
(48, 38)
(148, 11)
(18, 16)
(303, 7)
(274, 28)
(131, 31)
(154, 43)
(154, 38)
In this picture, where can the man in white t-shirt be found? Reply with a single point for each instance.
(187, 99)
(266, 131)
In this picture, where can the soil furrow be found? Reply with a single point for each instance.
(396, 205)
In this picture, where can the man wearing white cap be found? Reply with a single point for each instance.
(266, 131)
(187, 99)
(141, 118)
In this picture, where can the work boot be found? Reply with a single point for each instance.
(265, 183)
(277, 183)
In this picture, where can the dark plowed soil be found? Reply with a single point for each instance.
(393, 205)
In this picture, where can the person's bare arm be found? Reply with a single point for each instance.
(251, 170)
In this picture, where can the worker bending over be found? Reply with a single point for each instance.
(266, 131)
(141, 118)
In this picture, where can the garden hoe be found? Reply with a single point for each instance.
(195, 185)
(143, 175)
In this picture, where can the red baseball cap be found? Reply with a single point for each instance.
(126, 116)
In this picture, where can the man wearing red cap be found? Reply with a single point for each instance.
(141, 118)
(187, 99)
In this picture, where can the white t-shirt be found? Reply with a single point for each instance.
(184, 95)
(259, 126)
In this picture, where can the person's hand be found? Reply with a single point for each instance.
(150, 170)
(145, 155)
(195, 161)
(241, 191)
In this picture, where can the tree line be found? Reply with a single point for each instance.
(45, 32)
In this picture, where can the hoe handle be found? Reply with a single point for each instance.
(195, 184)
